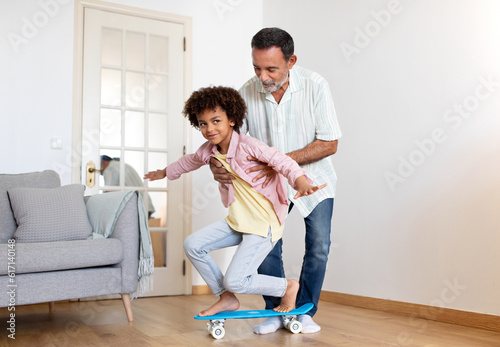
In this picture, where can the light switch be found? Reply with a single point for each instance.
(56, 143)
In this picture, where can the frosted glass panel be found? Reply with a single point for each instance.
(134, 167)
(111, 127)
(159, 200)
(157, 161)
(135, 92)
(158, 53)
(158, 130)
(112, 153)
(136, 50)
(158, 92)
(134, 129)
(111, 87)
(111, 47)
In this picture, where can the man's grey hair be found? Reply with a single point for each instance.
(274, 37)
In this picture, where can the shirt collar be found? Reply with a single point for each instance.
(296, 82)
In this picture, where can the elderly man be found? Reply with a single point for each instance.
(291, 108)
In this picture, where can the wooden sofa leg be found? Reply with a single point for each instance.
(128, 307)
(51, 307)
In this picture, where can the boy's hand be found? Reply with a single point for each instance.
(304, 188)
(156, 175)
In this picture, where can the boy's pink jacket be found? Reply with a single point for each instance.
(240, 147)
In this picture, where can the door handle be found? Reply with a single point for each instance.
(91, 170)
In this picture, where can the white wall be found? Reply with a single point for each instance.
(36, 69)
(430, 236)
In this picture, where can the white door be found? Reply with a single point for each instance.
(133, 94)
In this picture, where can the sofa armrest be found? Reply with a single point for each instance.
(127, 230)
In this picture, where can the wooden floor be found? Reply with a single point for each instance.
(168, 321)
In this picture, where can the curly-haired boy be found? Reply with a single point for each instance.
(256, 215)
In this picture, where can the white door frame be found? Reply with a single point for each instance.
(77, 139)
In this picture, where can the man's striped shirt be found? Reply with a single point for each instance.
(304, 114)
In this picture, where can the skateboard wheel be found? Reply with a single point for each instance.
(294, 326)
(217, 332)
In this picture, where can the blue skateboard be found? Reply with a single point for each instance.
(216, 324)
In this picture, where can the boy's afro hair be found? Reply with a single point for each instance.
(228, 99)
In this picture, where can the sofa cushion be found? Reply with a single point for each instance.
(63, 255)
(45, 179)
(46, 215)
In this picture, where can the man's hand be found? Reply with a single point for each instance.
(156, 175)
(221, 175)
(265, 169)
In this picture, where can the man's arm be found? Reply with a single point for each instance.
(316, 150)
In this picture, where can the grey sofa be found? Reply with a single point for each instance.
(62, 270)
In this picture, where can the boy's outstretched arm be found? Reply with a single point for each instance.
(156, 175)
(304, 188)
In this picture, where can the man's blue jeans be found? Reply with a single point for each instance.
(317, 243)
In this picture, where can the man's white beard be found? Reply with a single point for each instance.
(270, 86)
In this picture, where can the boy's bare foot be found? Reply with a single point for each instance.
(227, 302)
(288, 300)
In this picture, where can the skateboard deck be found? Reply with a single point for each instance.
(256, 313)
(216, 324)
